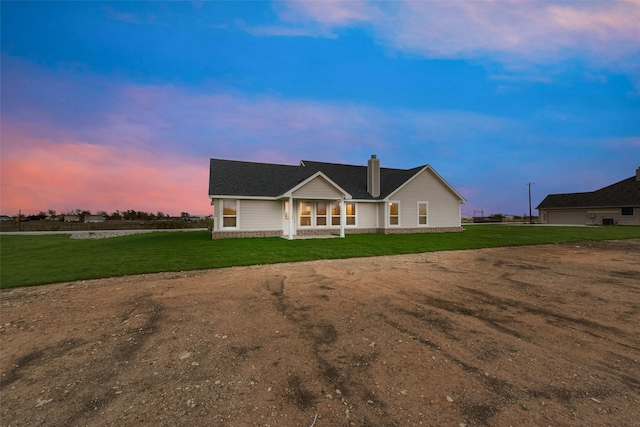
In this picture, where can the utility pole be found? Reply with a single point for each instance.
(530, 217)
(481, 213)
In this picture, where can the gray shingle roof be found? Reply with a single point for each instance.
(625, 193)
(353, 179)
(236, 178)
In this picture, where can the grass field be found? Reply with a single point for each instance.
(36, 260)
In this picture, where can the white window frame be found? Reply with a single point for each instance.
(354, 216)
(311, 216)
(426, 214)
(327, 213)
(389, 213)
(236, 216)
(334, 217)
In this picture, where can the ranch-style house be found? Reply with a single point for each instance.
(314, 199)
(617, 203)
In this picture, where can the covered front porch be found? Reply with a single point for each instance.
(307, 218)
(315, 207)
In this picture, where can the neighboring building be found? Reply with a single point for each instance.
(314, 198)
(94, 218)
(618, 203)
(71, 218)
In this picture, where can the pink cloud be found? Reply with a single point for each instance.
(151, 151)
(314, 18)
(330, 13)
(41, 174)
(511, 31)
(146, 147)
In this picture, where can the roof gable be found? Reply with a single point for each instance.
(318, 183)
(437, 176)
(623, 193)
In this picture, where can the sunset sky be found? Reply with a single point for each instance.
(119, 105)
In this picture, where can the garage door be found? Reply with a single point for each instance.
(567, 217)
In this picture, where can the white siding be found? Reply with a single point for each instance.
(629, 219)
(589, 216)
(366, 214)
(444, 206)
(318, 188)
(260, 215)
(382, 214)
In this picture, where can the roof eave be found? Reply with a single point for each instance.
(240, 196)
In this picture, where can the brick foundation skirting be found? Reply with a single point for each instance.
(327, 232)
(236, 234)
(320, 232)
(420, 230)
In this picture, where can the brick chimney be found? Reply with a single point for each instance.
(638, 174)
(373, 176)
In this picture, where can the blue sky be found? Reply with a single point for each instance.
(119, 105)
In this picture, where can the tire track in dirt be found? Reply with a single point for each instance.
(480, 413)
(80, 405)
(340, 377)
(123, 355)
(483, 411)
(22, 366)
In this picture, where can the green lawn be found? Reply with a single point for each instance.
(35, 260)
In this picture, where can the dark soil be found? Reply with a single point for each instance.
(538, 335)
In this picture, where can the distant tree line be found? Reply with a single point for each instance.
(479, 216)
(128, 215)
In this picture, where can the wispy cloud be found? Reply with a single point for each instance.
(328, 13)
(516, 33)
(155, 140)
(126, 115)
(314, 18)
(286, 130)
(146, 147)
(131, 18)
(215, 122)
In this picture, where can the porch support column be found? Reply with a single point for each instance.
(290, 237)
(343, 217)
(216, 214)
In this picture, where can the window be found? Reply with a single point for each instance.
(626, 211)
(229, 213)
(321, 213)
(305, 214)
(351, 213)
(423, 218)
(335, 213)
(286, 210)
(394, 217)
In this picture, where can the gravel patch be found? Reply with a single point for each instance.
(105, 234)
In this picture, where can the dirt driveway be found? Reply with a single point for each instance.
(540, 335)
